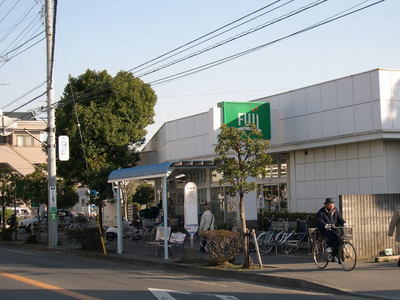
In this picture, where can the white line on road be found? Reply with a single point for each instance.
(17, 251)
(162, 294)
(210, 283)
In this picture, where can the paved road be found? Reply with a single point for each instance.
(26, 274)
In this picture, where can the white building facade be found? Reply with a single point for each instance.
(333, 138)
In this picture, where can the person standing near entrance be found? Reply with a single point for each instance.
(206, 223)
(395, 223)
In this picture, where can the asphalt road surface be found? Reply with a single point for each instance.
(26, 274)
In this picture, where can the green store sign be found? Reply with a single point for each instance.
(242, 114)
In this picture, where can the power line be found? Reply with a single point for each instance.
(216, 35)
(22, 51)
(86, 94)
(23, 44)
(203, 36)
(18, 22)
(237, 55)
(22, 96)
(10, 10)
(276, 20)
(25, 32)
(26, 103)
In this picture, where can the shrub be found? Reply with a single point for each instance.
(6, 235)
(31, 239)
(87, 237)
(149, 213)
(222, 245)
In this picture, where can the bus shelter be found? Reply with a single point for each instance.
(156, 171)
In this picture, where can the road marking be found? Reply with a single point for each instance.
(210, 283)
(46, 286)
(162, 294)
(17, 251)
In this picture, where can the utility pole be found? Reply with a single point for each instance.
(51, 142)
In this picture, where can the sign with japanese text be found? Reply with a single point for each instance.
(63, 147)
(191, 207)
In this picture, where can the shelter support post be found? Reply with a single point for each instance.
(165, 211)
(119, 220)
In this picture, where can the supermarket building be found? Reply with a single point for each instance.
(329, 139)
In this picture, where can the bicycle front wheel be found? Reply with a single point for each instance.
(266, 242)
(321, 258)
(289, 246)
(348, 256)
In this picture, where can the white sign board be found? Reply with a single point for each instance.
(63, 147)
(190, 207)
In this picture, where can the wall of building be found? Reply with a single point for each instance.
(186, 138)
(357, 168)
(356, 105)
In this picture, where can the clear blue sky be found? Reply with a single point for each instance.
(121, 34)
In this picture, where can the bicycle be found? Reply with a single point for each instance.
(347, 254)
(294, 240)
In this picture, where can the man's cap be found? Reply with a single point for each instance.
(329, 201)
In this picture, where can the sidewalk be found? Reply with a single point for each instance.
(368, 280)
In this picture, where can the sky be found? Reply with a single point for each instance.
(122, 34)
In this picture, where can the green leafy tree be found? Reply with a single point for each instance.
(241, 157)
(144, 194)
(34, 189)
(8, 190)
(113, 113)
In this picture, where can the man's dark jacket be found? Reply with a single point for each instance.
(328, 217)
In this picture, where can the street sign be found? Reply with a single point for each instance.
(190, 208)
(63, 148)
(53, 196)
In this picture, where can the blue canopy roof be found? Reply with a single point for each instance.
(141, 172)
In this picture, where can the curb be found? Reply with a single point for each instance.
(281, 281)
(387, 258)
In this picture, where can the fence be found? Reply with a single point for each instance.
(369, 216)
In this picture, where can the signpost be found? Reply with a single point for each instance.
(191, 210)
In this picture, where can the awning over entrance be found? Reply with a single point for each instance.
(141, 172)
(156, 170)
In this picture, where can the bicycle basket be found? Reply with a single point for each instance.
(346, 233)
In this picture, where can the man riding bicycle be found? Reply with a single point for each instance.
(327, 218)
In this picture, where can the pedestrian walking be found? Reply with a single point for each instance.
(395, 224)
(206, 223)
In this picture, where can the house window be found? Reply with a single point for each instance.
(25, 141)
(3, 140)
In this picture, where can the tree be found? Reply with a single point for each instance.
(8, 190)
(113, 113)
(241, 157)
(128, 189)
(144, 194)
(35, 189)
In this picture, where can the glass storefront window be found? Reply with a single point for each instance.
(277, 168)
(283, 169)
(275, 196)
